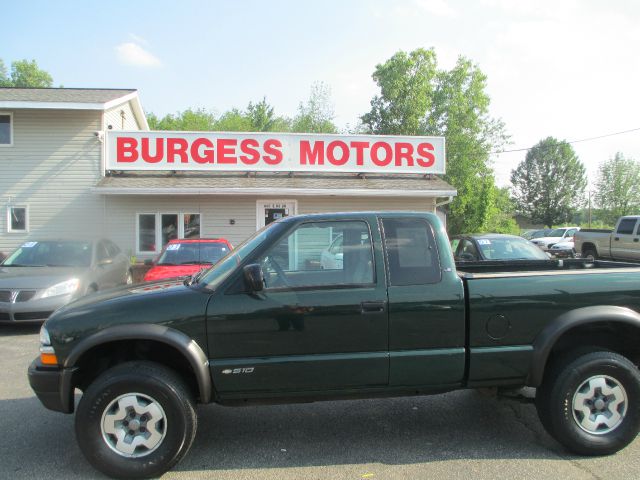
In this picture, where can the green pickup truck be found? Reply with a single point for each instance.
(343, 305)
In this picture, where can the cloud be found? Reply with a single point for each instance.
(438, 8)
(138, 39)
(131, 53)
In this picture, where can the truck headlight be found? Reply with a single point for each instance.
(47, 354)
(62, 288)
(45, 340)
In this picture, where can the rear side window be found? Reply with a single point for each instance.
(626, 226)
(412, 255)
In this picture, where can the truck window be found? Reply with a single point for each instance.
(626, 226)
(412, 255)
(321, 254)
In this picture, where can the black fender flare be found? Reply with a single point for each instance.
(544, 342)
(188, 347)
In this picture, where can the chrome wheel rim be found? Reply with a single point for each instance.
(133, 425)
(600, 405)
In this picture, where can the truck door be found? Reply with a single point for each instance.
(315, 326)
(426, 306)
(624, 240)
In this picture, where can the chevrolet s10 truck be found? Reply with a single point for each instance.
(272, 323)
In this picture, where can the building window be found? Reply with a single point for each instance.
(6, 129)
(17, 219)
(154, 230)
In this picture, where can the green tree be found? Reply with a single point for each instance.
(24, 74)
(4, 79)
(417, 98)
(618, 187)
(548, 185)
(198, 120)
(263, 119)
(316, 114)
(502, 217)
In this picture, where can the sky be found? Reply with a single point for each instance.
(568, 69)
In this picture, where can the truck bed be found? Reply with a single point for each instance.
(476, 269)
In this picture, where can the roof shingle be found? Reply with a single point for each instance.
(63, 95)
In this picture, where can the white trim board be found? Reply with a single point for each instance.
(284, 192)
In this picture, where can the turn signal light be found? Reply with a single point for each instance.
(48, 358)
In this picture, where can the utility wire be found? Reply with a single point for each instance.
(572, 141)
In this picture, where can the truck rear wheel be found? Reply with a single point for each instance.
(590, 402)
(590, 253)
(136, 420)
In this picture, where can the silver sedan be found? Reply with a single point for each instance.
(42, 276)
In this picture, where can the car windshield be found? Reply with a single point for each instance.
(510, 249)
(558, 232)
(221, 270)
(193, 253)
(51, 254)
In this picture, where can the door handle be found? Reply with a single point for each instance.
(617, 238)
(636, 239)
(372, 307)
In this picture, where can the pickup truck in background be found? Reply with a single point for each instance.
(621, 243)
(270, 323)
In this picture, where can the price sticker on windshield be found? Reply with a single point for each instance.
(484, 241)
(175, 246)
(29, 244)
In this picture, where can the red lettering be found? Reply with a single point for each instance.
(207, 153)
(227, 150)
(344, 158)
(403, 151)
(272, 149)
(359, 146)
(146, 154)
(311, 156)
(250, 148)
(126, 150)
(388, 152)
(177, 146)
(428, 157)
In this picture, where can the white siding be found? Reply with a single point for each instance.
(113, 117)
(217, 211)
(54, 161)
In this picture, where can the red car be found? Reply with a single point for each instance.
(184, 257)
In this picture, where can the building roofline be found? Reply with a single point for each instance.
(306, 192)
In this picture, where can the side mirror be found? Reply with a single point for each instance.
(254, 277)
(148, 262)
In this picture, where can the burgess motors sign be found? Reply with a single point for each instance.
(269, 152)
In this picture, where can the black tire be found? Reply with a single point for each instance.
(590, 252)
(144, 379)
(570, 377)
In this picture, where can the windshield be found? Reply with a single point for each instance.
(192, 253)
(221, 270)
(510, 249)
(51, 254)
(558, 232)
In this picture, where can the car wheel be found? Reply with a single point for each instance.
(136, 420)
(590, 402)
(590, 254)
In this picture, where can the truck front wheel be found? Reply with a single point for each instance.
(590, 403)
(136, 420)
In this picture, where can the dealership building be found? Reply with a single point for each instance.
(82, 162)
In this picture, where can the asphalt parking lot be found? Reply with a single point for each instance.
(457, 435)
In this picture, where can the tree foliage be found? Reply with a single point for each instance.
(618, 187)
(418, 98)
(316, 114)
(548, 185)
(24, 74)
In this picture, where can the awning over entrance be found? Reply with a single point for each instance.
(274, 184)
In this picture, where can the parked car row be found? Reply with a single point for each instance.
(41, 276)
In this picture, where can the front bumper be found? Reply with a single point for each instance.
(32, 311)
(52, 386)
(567, 253)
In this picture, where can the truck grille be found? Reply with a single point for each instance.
(5, 296)
(4, 316)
